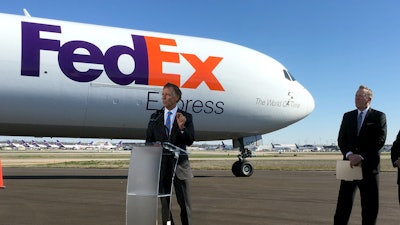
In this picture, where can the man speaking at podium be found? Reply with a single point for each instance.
(175, 126)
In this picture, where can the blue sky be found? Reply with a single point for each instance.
(331, 47)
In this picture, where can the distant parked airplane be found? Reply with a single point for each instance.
(76, 146)
(48, 145)
(14, 145)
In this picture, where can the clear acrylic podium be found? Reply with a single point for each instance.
(143, 183)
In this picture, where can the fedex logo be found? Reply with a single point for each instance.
(146, 53)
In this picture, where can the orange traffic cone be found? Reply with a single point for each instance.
(1, 176)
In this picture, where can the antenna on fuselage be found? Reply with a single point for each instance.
(26, 13)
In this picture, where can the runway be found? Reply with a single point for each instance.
(38, 196)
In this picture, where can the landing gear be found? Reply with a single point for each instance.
(242, 167)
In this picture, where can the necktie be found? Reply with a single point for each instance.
(359, 122)
(168, 122)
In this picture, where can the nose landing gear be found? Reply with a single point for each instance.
(242, 167)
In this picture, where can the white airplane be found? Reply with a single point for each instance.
(308, 147)
(108, 145)
(283, 147)
(14, 145)
(90, 145)
(76, 146)
(25, 144)
(38, 145)
(94, 81)
(49, 145)
(30, 146)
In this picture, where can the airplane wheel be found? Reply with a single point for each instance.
(236, 168)
(242, 169)
(246, 169)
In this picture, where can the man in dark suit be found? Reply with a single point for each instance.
(395, 156)
(361, 136)
(176, 127)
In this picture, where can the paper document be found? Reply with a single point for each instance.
(345, 172)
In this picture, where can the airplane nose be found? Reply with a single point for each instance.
(305, 100)
(309, 102)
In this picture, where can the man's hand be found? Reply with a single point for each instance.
(181, 120)
(355, 160)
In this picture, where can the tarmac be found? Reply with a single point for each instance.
(47, 196)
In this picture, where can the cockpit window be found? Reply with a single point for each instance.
(288, 75)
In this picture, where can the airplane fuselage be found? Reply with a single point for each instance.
(65, 79)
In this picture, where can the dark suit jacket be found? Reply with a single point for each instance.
(395, 154)
(156, 132)
(368, 143)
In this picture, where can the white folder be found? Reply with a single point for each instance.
(345, 172)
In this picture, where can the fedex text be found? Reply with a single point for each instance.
(146, 52)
